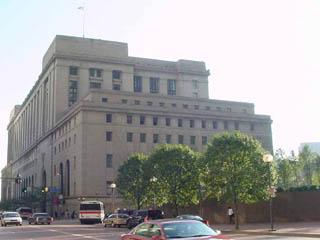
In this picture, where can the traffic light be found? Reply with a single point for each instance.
(24, 190)
(18, 179)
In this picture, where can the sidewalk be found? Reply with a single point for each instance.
(299, 229)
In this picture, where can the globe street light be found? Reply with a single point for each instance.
(113, 186)
(153, 180)
(268, 158)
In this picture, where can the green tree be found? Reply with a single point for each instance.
(176, 168)
(306, 157)
(131, 181)
(236, 171)
(316, 177)
(285, 170)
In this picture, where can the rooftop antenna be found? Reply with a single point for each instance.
(83, 17)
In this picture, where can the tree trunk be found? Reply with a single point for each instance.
(236, 211)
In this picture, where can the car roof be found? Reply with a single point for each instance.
(171, 220)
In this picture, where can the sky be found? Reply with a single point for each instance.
(265, 52)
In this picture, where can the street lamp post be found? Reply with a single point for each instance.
(153, 180)
(268, 158)
(113, 186)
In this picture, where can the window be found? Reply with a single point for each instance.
(104, 99)
(116, 74)
(155, 121)
(195, 84)
(73, 70)
(228, 109)
(109, 136)
(180, 139)
(95, 85)
(116, 87)
(124, 101)
(129, 137)
(95, 73)
(225, 125)
(207, 108)
(218, 109)
(154, 85)
(168, 121)
(251, 126)
(185, 106)
(149, 103)
(192, 123)
(137, 84)
(179, 122)
(192, 140)
(73, 92)
(204, 140)
(142, 137)
(109, 160)
(74, 162)
(168, 138)
(108, 117)
(203, 123)
(195, 95)
(55, 150)
(236, 125)
(244, 110)
(161, 104)
(129, 119)
(214, 124)
(173, 105)
(142, 120)
(155, 138)
(136, 102)
(196, 107)
(171, 87)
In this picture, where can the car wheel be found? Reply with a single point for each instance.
(29, 222)
(48, 223)
(5, 225)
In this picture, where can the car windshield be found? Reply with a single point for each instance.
(187, 229)
(90, 207)
(26, 210)
(10, 215)
(194, 217)
(41, 215)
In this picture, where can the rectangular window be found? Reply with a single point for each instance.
(195, 95)
(228, 109)
(137, 84)
(129, 137)
(129, 119)
(95, 85)
(168, 138)
(207, 108)
(154, 85)
(116, 74)
(214, 124)
(155, 138)
(203, 123)
(142, 120)
(108, 136)
(192, 140)
(149, 103)
(204, 140)
(116, 87)
(108, 117)
(73, 71)
(195, 84)
(161, 104)
(104, 99)
(142, 137)
(225, 125)
(179, 122)
(174, 105)
(109, 160)
(95, 73)
(168, 121)
(124, 101)
(196, 107)
(73, 92)
(236, 125)
(155, 121)
(192, 123)
(218, 109)
(180, 139)
(171, 87)
(136, 102)
(185, 106)
(251, 126)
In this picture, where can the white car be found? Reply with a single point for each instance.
(11, 218)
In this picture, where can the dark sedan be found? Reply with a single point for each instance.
(40, 218)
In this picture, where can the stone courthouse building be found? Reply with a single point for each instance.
(93, 105)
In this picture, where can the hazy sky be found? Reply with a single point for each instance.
(263, 52)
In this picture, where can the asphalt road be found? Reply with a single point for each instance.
(97, 232)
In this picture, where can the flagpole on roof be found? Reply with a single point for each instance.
(83, 17)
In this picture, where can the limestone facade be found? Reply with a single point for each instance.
(93, 105)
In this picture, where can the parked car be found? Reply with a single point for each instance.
(173, 229)
(116, 220)
(11, 218)
(25, 212)
(139, 216)
(40, 218)
(193, 217)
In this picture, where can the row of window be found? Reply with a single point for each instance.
(64, 128)
(64, 144)
(180, 122)
(156, 138)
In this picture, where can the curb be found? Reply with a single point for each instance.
(275, 233)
